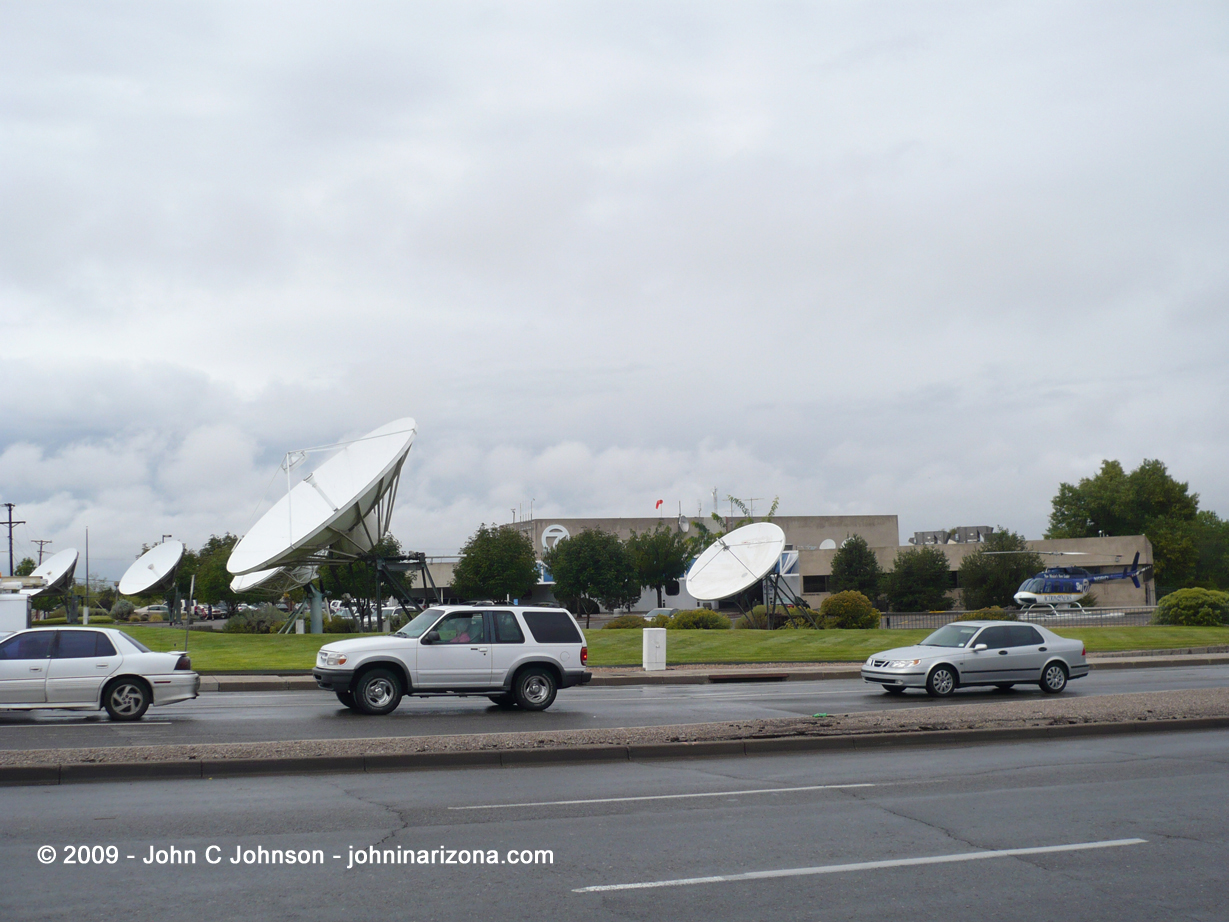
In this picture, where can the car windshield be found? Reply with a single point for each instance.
(951, 635)
(421, 623)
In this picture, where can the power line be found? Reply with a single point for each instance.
(41, 543)
(10, 524)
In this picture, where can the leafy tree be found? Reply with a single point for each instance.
(659, 556)
(496, 563)
(919, 580)
(26, 567)
(991, 575)
(593, 566)
(856, 568)
(1211, 534)
(1194, 608)
(1147, 501)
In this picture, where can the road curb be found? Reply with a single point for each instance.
(12, 775)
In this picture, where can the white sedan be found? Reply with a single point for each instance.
(87, 668)
(980, 653)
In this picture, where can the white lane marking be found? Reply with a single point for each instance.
(623, 800)
(61, 726)
(864, 866)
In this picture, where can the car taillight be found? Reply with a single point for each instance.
(1083, 651)
(584, 655)
(183, 663)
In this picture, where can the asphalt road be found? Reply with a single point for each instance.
(229, 717)
(1120, 828)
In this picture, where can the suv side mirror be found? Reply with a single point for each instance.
(979, 648)
(430, 637)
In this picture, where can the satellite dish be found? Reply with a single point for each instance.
(275, 581)
(738, 560)
(155, 569)
(344, 505)
(56, 573)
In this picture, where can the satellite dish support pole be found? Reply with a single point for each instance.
(316, 597)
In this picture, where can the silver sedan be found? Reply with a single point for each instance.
(980, 653)
(81, 668)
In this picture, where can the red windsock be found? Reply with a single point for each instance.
(659, 502)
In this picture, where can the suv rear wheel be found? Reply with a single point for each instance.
(534, 689)
(378, 691)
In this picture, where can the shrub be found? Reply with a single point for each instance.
(263, 620)
(122, 610)
(340, 624)
(700, 619)
(154, 617)
(989, 614)
(659, 621)
(849, 610)
(789, 617)
(1193, 608)
(624, 622)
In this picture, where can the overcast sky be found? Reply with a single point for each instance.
(921, 259)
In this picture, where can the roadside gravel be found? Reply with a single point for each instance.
(989, 714)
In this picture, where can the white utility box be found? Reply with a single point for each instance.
(14, 612)
(299, 627)
(654, 648)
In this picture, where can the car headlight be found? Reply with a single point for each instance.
(327, 658)
(902, 663)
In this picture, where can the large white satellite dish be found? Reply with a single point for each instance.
(155, 569)
(343, 506)
(733, 562)
(276, 580)
(56, 572)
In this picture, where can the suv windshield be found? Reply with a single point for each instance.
(951, 635)
(421, 623)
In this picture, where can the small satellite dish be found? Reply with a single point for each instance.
(275, 581)
(684, 525)
(56, 572)
(827, 545)
(736, 561)
(343, 505)
(155, 569)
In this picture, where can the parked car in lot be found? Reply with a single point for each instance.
(516, 656)
(90, 668)
(966, 653)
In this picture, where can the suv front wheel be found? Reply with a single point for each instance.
(378, 691)
(534, 689)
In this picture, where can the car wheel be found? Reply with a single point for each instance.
(894, 689)
(534, 689)
(346, 698)
(504, 701)
(378, 692)
(126, 699)
(1054, 678)
(941, 682)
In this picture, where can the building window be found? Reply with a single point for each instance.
(814, 584)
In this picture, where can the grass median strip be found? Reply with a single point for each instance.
(221, 652)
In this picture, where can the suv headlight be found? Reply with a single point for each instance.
(902, 663)
(327, 658)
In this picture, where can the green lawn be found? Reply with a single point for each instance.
(218, 652)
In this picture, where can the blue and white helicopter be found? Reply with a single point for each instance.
(1063, 587)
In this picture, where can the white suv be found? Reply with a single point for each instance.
(511, 654)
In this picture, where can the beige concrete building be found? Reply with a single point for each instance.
(816, 539)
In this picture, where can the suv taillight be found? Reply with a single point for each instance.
(183, 663)
(584, 655)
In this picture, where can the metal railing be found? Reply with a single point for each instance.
(1062, 617)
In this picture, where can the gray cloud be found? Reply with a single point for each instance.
(873, 258)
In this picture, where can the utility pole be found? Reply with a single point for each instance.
(10, 524)
(41, 543)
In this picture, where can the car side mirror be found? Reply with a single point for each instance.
(430, 637)
(979, 648)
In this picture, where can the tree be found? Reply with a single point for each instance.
(855, 568)
(919, 580)
(1212, 542)
(496, 563)
(659, 556)
(992, 574)
(593, 566)
(1147, 501)
(26, 567)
